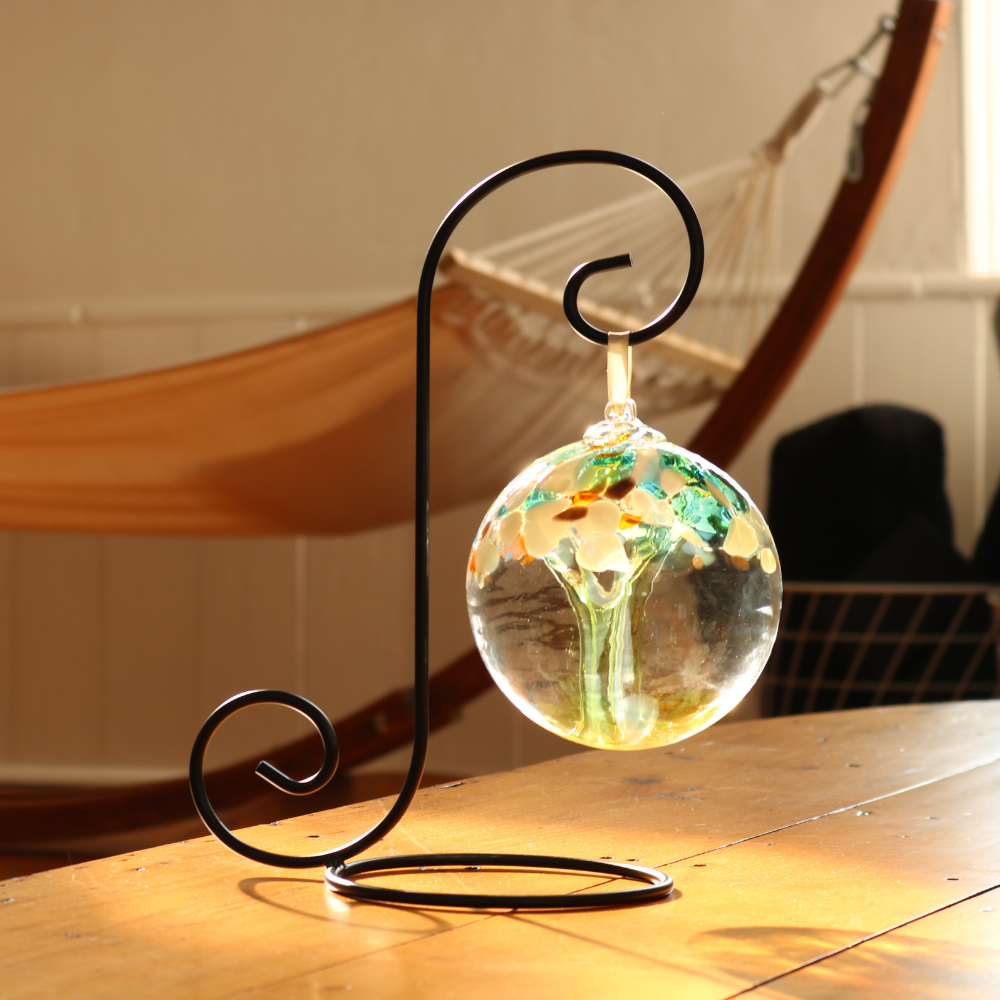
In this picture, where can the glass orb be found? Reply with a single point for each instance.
(624, 593)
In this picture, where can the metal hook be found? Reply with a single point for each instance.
(576, 280)
(835, 78)
(674, 311)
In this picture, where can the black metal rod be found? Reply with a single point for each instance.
(338, 877)
(572, 291)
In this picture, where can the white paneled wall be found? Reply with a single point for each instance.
(159, 157)
(114, 649)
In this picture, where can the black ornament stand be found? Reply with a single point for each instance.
(341, 873)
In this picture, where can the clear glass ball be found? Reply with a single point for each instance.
(624, 592)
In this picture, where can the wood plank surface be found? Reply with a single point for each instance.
(745, 913)
(953, 953)
(788, 839)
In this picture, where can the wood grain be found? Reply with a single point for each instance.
(746, 913)
(952, 953)
(789, 839)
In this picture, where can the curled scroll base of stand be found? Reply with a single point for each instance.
(341, 874)
(341, 879)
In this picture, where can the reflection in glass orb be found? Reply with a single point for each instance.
(624, 592)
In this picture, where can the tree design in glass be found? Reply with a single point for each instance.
(624, 592)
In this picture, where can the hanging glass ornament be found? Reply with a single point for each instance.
(624, 592)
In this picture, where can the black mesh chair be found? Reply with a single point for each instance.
(855, 645)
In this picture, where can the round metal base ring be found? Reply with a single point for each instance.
(655, 884)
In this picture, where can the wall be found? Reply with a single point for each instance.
(176, 149)
(185, 178)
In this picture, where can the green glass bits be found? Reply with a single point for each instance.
(624, 592)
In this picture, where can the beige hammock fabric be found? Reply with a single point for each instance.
(308, 435)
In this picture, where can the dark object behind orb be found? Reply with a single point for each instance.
(892, 613)
(860, 496)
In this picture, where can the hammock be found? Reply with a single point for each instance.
(310, 435)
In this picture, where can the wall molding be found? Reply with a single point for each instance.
(903, 285)
(304, 311)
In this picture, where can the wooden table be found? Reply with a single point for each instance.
(848, 854)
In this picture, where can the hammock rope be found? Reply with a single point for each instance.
(739, 204)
